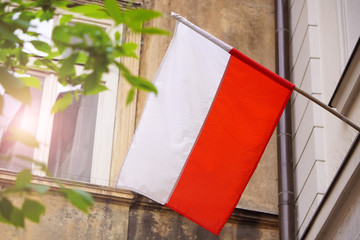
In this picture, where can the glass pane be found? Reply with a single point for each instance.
(18, 115)
(72, 140)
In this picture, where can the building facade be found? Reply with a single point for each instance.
(325, 63)
(119, 214)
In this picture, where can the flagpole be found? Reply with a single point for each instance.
(228, 48)
(327, 108)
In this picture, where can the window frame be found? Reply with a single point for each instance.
(348, 87)
(346, 37)
(117, 119)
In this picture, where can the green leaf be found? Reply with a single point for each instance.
(67, 68)
(117, 36)
(6, 208)
(82, 58)
(143, 15)
(39, 13)
(135, 18)
(53, 55)
(41, 189)
(22, 22)
(10, 214)
(49, 64)
(122, 68)
(91, 10)
(17, 1)
(4, 53)
(92, 85)
(153, 30)
(31, 82)
(136, 81)
(17, 218)
(130, 46)
(65, 19)
(130, 96)
(23, 136)
(94, 89)
(62, 4)
(80, 199)
(41, 46)
(23, 58)
(3, 219)
(141, 83)
(99, 14)
(19, 71)
(3, 6)
(85, 8)
(61, 37)
(33, 210)
(14, 86)
(47, 14)
(114, 10)
(6, 34)
(85, 196)
(126, 49)
(23, 178)
(62, 103)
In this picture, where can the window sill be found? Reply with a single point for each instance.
(99, 193)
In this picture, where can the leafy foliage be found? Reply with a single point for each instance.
(72, 43)
(88, 44)
(31, 209)
(80, 199)
(62, 103)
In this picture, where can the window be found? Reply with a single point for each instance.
(349, 17)
(76, 144)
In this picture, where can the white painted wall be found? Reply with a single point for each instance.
(322, 38)
(308, 132)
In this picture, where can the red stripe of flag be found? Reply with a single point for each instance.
(242, 118)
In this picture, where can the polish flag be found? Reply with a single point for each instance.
(200, 139)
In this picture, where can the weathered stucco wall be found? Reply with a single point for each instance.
(62, 221)
(122, 215)
(148, 221)
(246, 25)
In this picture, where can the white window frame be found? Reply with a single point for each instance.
(105, 121)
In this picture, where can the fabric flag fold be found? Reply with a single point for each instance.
(200, 139)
